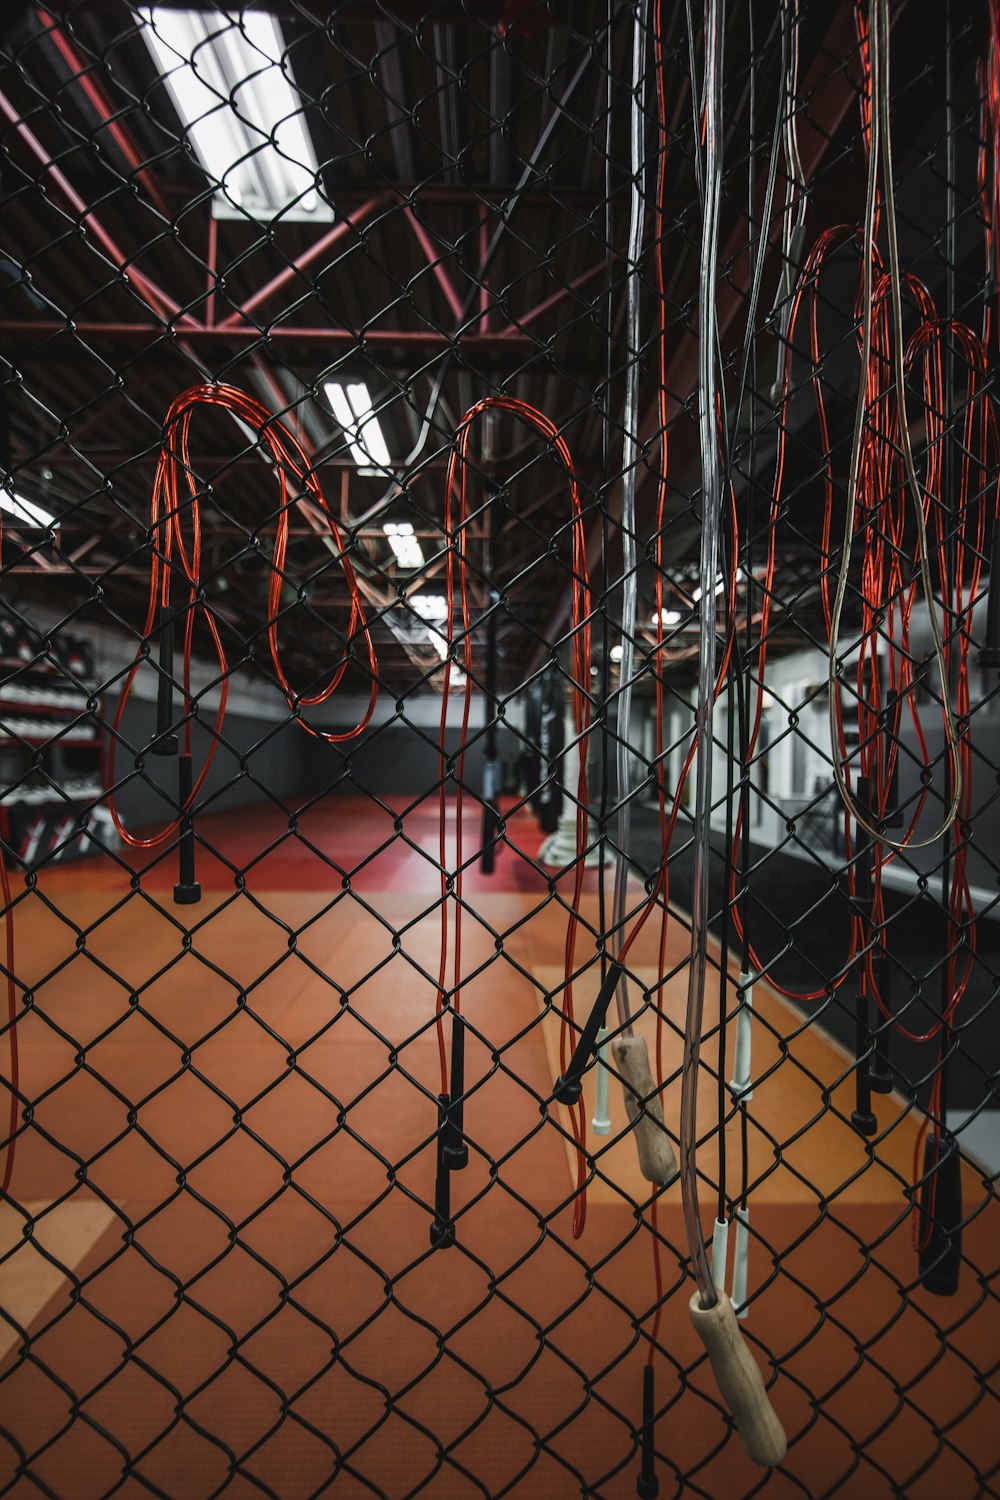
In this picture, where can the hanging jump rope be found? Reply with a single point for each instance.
(712, 1313)
(883, 475)
(453, 1150)
(174, 507)
(736, 1371)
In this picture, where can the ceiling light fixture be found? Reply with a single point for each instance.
(430, 607)
(353, 408)
(240, 109)
(26, 512)
(406, 549)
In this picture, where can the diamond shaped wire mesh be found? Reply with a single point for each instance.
(333, 705)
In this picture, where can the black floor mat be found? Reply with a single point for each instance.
(799, 922)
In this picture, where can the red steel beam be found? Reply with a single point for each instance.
(154, 297)
(296, 266)
(484, 285)
(524, 319)
(435, 262)
(211, 268)
(82, 74)
(419, 338)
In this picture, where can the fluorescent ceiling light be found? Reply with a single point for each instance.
(26, 511)
(430, 607)
(440, 643)
(719, 586)
(667, 617)
(406, 549)
(432, 610)
(242, 114)
(352, 406)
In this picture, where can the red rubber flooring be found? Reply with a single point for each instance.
(246, 1091)
(374, 846)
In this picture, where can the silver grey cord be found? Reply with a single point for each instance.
(878, 22)
(711, 485)
(630, 457)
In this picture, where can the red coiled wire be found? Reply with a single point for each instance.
(458, 480)
(888, 597)
(174, 503)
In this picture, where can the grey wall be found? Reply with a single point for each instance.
(392, 759)
(255, 757)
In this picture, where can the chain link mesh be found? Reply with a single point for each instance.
(313, 762)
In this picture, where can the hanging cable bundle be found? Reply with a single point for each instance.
(880, 149)
(175, 505)
(712, 1312)
(457, 486)
(883, 491)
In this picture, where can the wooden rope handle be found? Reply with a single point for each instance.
(645, 1112)
(740, 1383)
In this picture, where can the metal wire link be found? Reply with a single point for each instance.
(370, 376)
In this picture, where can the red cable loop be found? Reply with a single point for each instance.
(581, 654)
(175, 491)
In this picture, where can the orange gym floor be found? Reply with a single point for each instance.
(231, 1152)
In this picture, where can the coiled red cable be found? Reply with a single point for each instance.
(888, 596)
(457, 479)
(175, 503)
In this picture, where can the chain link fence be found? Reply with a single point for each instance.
(361, 429)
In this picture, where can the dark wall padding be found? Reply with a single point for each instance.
(253, 754)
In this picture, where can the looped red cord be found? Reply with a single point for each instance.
(458, 477)
(808, 280)
(980, 449)
(175, 501)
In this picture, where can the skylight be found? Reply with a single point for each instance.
(406, 549)
(719, 587)
(25, 511)
(430, 607)
(242, 114)
(440, 643)
(352, 406)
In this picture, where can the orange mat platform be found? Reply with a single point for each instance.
(218, 1276)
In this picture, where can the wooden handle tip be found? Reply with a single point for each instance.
(740, 1383)
(657, 1161)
